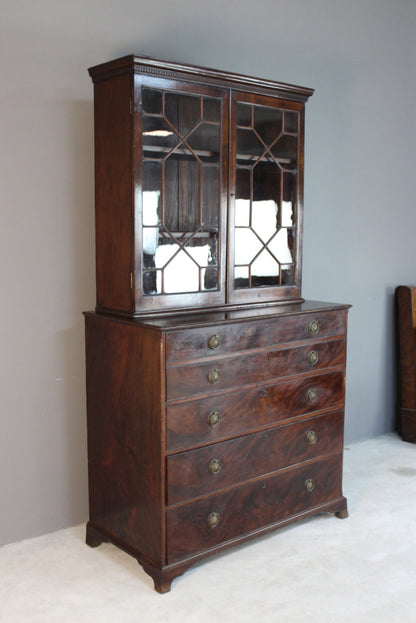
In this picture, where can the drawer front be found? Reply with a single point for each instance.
(229, 372)
(203, 524)
(204, 470)
(209, 419)
(228, 338)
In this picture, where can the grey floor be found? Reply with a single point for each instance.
(361, 569)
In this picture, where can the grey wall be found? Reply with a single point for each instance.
(360, 213)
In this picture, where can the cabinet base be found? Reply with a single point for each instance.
(163, 575)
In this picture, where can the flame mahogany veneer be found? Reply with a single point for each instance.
(160, 473)
(217, 414)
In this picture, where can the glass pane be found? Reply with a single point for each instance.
(288, 274)
(152, 101)
(268, 123)
(264, 218)
(243, 183)
(265, 270)
(151, 221)
(244, 115)
(266, 182)
(182, 268)
(285, 148)
(291, 121)
(183, 111)
(210, 196)
(242, 212)
(247, 245)
(287, 217)
(241, 277)
(181, 200)
(265, 265)
(149, 281)
(279, 246)
(205, 141)
(181, 192)
(289, 199)
(211, 110)
(152, 175)
(181, 273)
(249, 147)
(210, 279)
(158, 137)
(265, 196)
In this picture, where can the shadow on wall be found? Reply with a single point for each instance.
(70, 343)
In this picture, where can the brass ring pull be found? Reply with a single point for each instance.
(311, 394)
(313, 358)
(214, 376)
(213, 418)
(213, 520)
(215, 466)
(309, 485)
(311, 438)
(313, 327)
(214, 342)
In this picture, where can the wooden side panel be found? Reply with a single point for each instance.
(125, 395)
(113, 193)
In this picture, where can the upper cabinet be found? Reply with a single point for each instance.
(199, 187)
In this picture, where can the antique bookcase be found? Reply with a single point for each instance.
(215, 392)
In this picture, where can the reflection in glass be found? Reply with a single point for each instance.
(279, 247)
(181, 266)
(180, 191)
(286, 217)
(242, 213)
(265, 196)
(247, 245)
(261, 248)
(150, 222)
(264, 219)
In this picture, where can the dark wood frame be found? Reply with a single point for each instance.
(405, 322)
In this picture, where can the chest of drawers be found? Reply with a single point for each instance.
(208, 430)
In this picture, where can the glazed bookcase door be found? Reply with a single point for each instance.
(180, 188)
(266, 189)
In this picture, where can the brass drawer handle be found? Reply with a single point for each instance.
(313, 327)
(215, 466)
(313, 358)
(311, 394)
(213, 520)
(213, 418)
(309, 485)
(311, 438)
(214, 342)
(214, 376)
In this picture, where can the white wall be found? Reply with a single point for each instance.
(360, 214)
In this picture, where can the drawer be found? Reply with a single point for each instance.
(239, 371)
(209, 419)
(204, 470)
(200, 525)
(232, 337)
